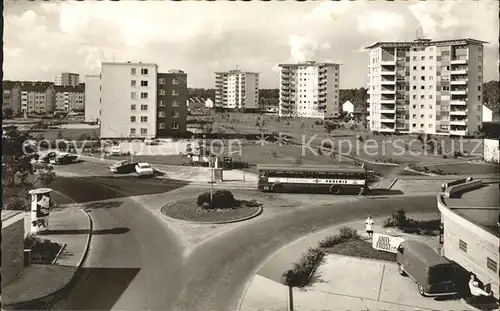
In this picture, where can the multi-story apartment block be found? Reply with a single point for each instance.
(171, 104)
(128, 99)
(57, 80)
(11, 97)
(70, 79)
(92, 98)
(69, 98)
(309, 90)
(237, 90)
(426, 86)
(34, 97)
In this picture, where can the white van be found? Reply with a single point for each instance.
(116, 151)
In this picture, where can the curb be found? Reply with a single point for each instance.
(72, 279)
(257, 213)
(471, 306)
(408, 169)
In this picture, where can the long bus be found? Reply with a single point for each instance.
(312, 178)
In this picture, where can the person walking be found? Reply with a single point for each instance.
(369, 226)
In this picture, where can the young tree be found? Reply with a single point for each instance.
(8, 113)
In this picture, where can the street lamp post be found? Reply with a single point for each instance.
(212, 181)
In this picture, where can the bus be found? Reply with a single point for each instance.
(312, 178)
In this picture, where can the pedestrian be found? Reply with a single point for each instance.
(369, 226)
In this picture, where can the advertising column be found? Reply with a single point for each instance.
(40, 209)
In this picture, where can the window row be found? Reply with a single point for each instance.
(143, 119)
(143, 131)
(175, 92)
(162, 114)
(143, 107)
(332, 175)
(144, 95)
(175, 125)
(144, 71)
(175, 103)
(163, 81)
(490, 263)
(134, 83)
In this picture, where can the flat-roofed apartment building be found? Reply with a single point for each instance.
(92, 98)
(128, 99)
(309, 90)
(237, 90)
(171, 104)
(426, 86)
(136, 101)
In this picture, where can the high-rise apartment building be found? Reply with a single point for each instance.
(92, 98)
(138, 102)
(37, 97)
(57, 80)
(426, 86)
(237, 90)
(309, 90)
(70, 79)
(171, 104)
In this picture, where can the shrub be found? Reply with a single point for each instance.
(348, 233)
(16, 203)
(221, 199)
(300, 274)
(345, 234)
(31, 240)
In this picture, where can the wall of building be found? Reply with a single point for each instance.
(12, 248)
(92, 98)
(480, 245)
(491, 150)
(171, 106)
(332, 92)
(120, 100)
(474, 85)
(251, 87)
(487, 114)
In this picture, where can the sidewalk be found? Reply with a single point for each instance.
(69, 225)
(344, 283)
(202, 175)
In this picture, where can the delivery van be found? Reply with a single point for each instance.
(434, 274)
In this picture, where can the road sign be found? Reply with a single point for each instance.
(386, 243)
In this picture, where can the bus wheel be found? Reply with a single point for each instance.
(335, 189)
(421, 290)
(277, 188)
(401, 270)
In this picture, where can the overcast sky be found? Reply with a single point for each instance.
(43, 39)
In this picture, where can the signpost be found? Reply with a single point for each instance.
(40, 209)
(386, 243)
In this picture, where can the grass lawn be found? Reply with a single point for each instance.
(69, 134)
(467, 168)
(187, 209)
(360, 248)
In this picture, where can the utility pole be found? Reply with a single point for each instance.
(211, 182)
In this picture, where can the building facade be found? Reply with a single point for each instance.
(471, 233)
(70, 79)
(172, 103)
(237, 90)
(128, 99)
(36, 97)
(426, 86)
(92, 98)
(11, 97)
(309, 90)
(57, 80)
(69, 98)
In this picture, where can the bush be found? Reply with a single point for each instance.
(16, 203)
(345, 234)
(31, 240)
(300, 274)
(221, 199)
(408, 225)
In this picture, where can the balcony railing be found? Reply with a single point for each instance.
(458, 112)
(459, 81)
(458, 122)
(458, 92)
(459, 71)
(458, 102)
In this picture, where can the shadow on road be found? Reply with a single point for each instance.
(118, 230)
(98, 205)
(375, 192)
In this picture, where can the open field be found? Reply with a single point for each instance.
(69, 133)
(398, 148)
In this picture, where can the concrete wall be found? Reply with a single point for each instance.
(92, 97)
(481, 245)
(491, 150)
(12, 248)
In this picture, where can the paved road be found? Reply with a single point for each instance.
(135, 267)
(141, 267)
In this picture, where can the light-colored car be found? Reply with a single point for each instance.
(144, 169)
(116, 151)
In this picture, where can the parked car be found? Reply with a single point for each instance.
(144, 169)
(434, 274)
(116, 151)
(151, 142)
(63, 158)
(47, 157)
(123, 167)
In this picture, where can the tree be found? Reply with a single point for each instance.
(8, 113)
(44, 176)
(491, 95)
(17, 155)
(330, 126)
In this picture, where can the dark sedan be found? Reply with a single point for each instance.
(123, 167)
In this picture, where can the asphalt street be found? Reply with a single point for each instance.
(140, 267)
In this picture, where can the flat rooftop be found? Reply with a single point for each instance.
(480, 206)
